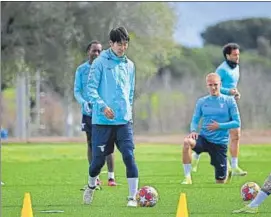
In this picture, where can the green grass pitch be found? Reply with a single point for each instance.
(53, 174)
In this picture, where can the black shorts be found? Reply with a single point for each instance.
(86, 124)
(218, 155)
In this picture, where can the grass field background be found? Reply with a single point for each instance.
(54, 173)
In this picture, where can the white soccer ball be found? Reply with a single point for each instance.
(249, 191)
(147, 196)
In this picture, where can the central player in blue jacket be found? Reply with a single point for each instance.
(219, 113)
(80, 93)
(228, 71)
(111, 92)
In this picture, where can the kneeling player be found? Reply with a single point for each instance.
(219, 113)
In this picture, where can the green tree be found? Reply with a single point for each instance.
(244, 32)
(54, 35)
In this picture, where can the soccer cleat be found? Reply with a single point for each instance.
(238, 172)
(194, 164)
(247, 209)
(131, 202)
(88, 195)
(187, 181)
(111, 182)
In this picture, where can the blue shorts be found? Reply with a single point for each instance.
(86, 124)
(104, 137)
(218, 155)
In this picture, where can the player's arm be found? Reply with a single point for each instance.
(132, 90)
(196, 116)
(77, 88)
(195, 120)
(234, 117)
(93, 83)
(221, 72)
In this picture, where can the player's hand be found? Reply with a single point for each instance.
(86, 106)
(237, 96)
(108, 112)
(233, 91)
(213, 126)
(193, 135)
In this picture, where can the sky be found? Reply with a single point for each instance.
(194, 17)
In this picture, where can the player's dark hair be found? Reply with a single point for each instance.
(119, 34)
(91, 43)
(228, 48)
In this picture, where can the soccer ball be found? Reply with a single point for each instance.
(249, 191)
(147, 196)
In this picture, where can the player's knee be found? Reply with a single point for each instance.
(110, 157)
(235, 135)
(187, 143)
(128, 157)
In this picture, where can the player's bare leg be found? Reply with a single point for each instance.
(188, 144)
(195, 161)
(234, 150)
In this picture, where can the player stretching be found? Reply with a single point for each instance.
(219, 113)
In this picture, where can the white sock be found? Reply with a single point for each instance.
(195, 156)
(234, 162)
(133, 187)
(92, 181)
(261, 196)
(97, 178)
(111, 175)
(187, 169)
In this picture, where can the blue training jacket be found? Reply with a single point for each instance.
(229, 77)
(222, 109)
(80, 84)
(111, 83)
